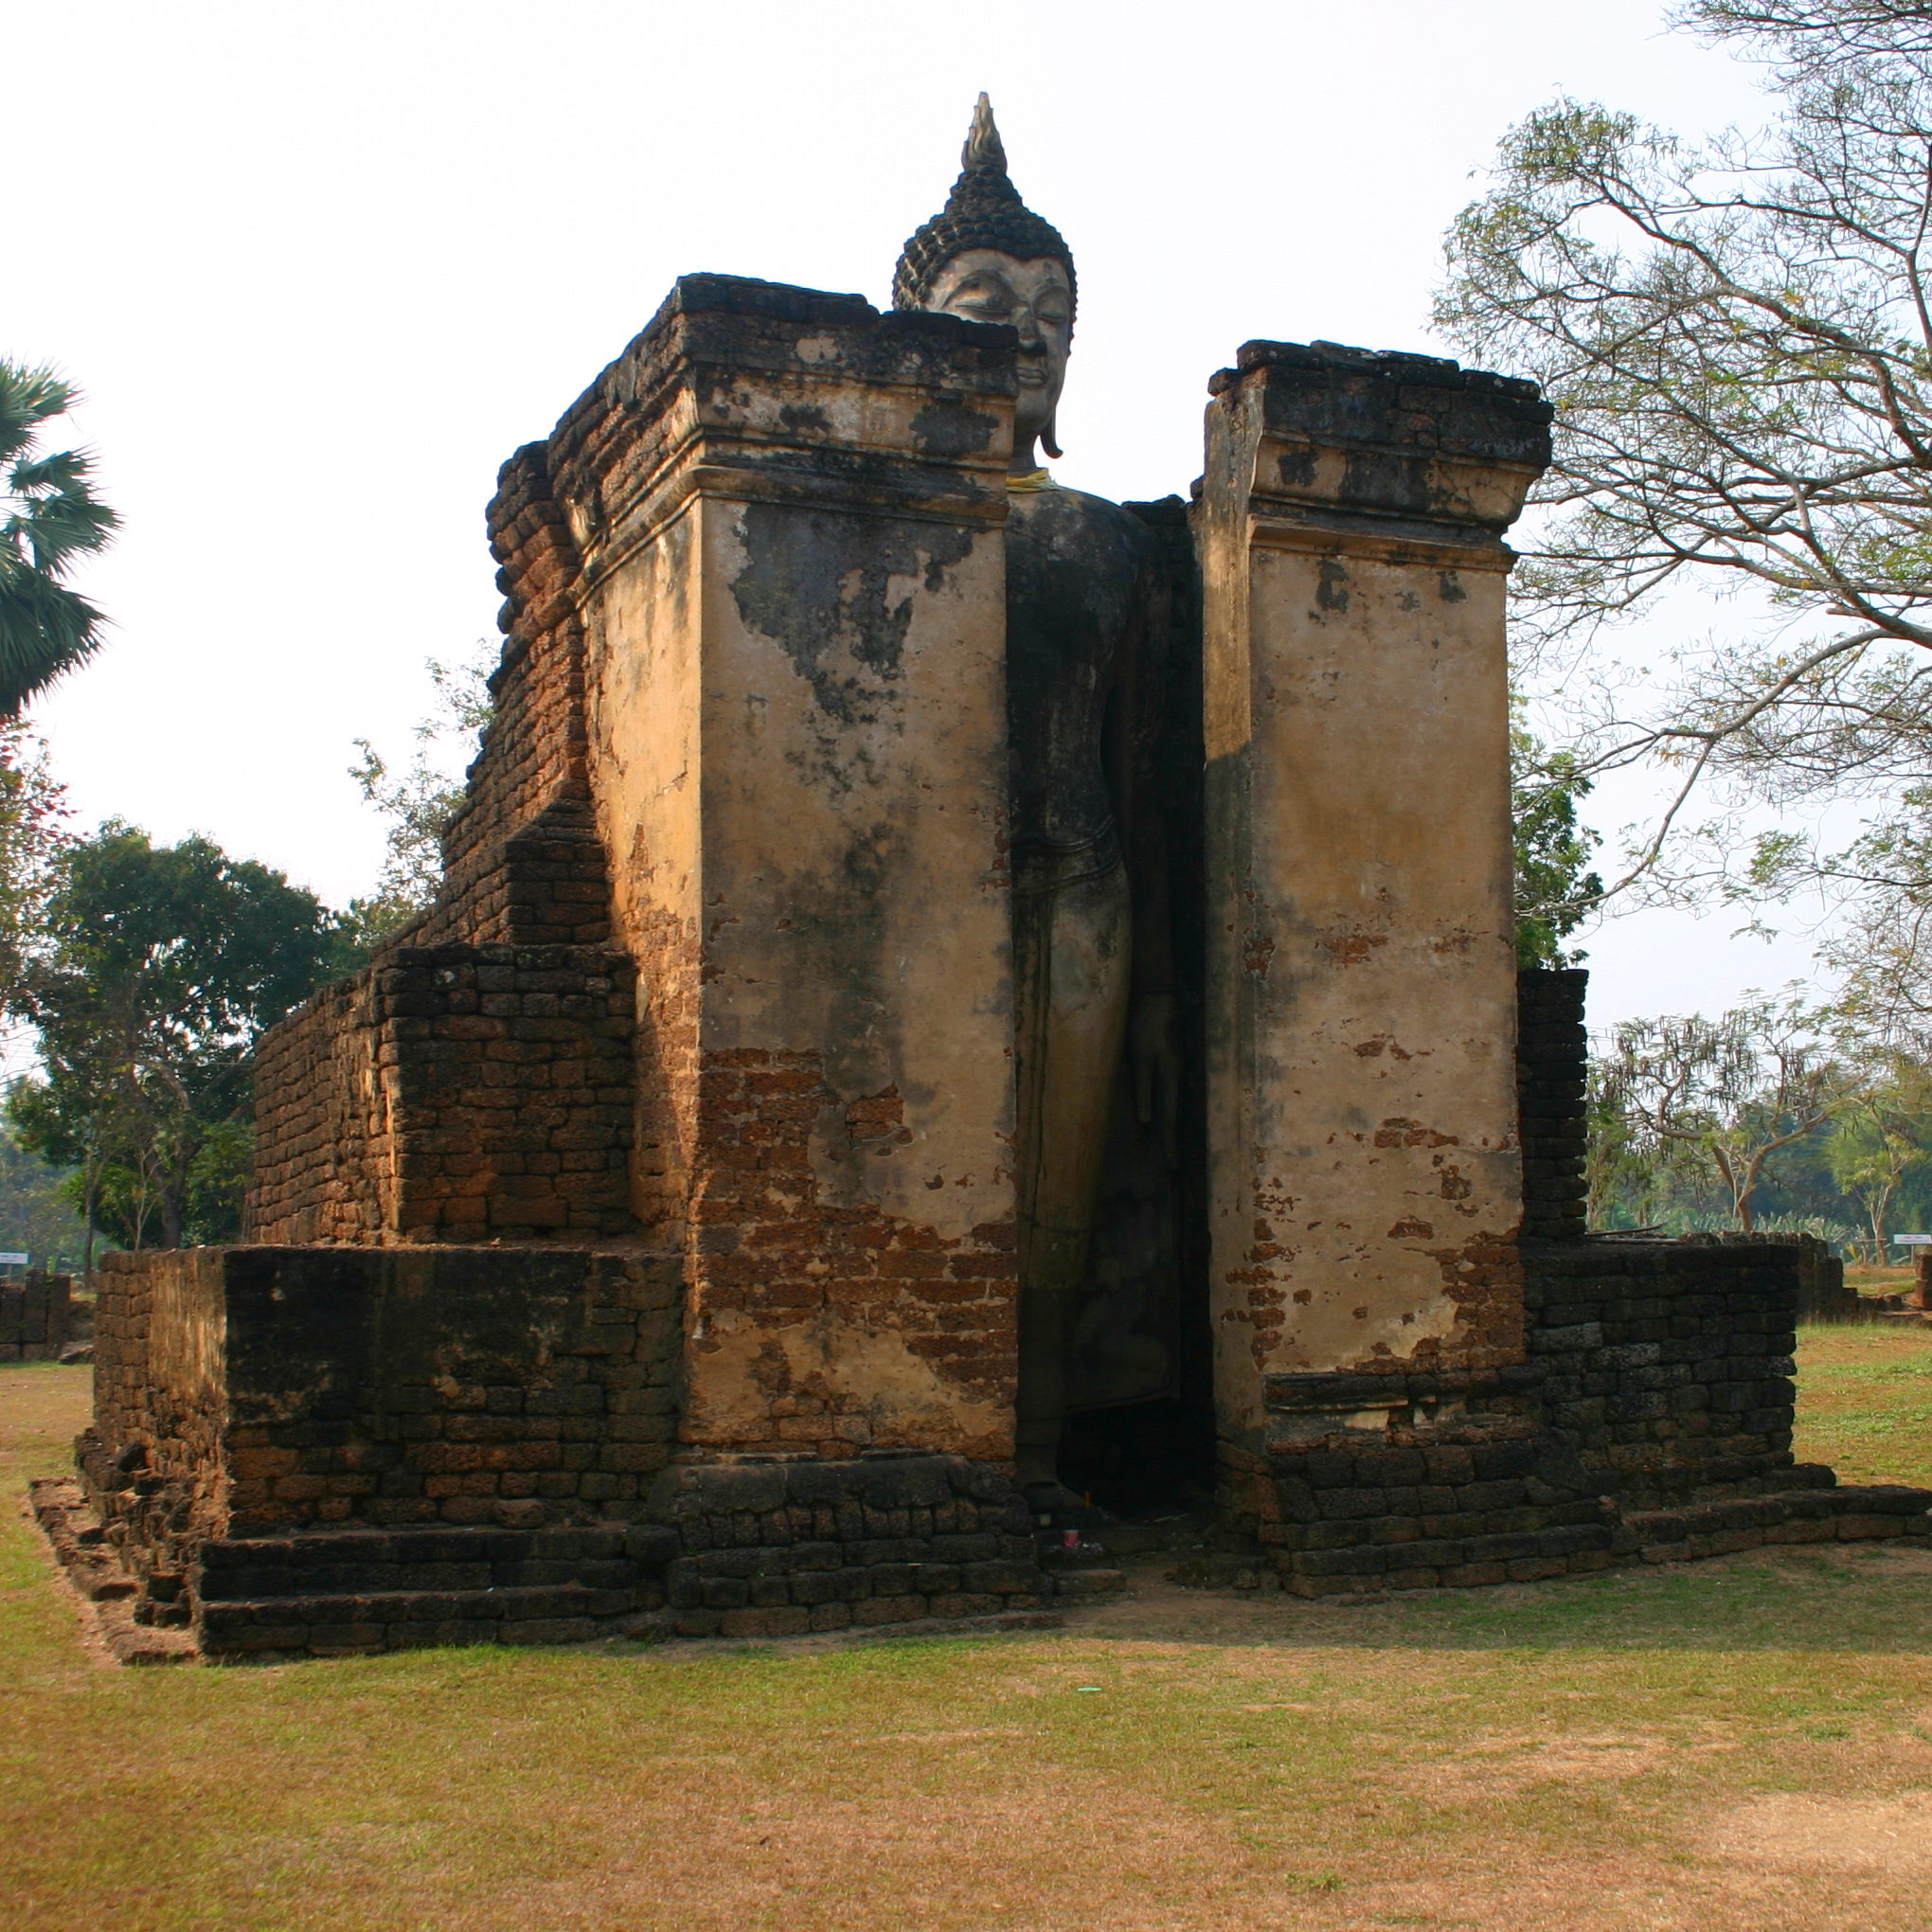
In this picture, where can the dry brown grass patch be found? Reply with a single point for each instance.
(1804, 1830)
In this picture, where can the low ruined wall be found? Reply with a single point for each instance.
(277, 1389)
(1665, 1364)
(1658, 1380)
(455, 1386)
(1822, 1294)
(36, 1317)
(1668, 1364)
(450, 1094)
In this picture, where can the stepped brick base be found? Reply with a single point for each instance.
(741, 1551)
(1416, 1480)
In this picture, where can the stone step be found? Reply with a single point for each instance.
(371, 1587)
(1850, 1513)
(398, 1619)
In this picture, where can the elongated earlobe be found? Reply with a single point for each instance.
(1047, 438)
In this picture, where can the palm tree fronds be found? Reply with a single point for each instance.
(51, 517)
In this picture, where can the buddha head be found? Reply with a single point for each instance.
(986, 257)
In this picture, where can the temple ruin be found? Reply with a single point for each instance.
(638, 1243)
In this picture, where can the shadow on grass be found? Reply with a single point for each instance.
(1867, 1600)
(1866, 1597)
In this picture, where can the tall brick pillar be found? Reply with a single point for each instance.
(1552, 1081)
(788, 513)
(1364, 1184)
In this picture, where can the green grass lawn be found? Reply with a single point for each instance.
(1864, 1402)
(1744, 1744)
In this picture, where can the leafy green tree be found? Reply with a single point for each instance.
(1555, 889)
(1719, 1098)
(1883, 1134)
(1737, 335)
(418, 800)
(37, 1213)
(33, 810)
(161, 966)
(51, 518)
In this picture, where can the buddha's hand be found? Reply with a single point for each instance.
(1153, 1054)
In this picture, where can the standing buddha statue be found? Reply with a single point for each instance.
(1092, 965)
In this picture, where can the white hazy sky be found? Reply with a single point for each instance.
(320, 268)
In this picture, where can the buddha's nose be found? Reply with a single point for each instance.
(1028, 327)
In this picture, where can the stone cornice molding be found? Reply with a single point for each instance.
(1408, 457)
(757, 391)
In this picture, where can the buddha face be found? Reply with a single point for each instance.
(983, 285)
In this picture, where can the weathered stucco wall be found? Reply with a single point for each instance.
(788, 508)
(1365, 1180)
(750, 721)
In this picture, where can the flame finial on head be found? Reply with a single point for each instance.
(984, 210)
(984, 148)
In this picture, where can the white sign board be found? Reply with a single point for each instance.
(14, 1260)
(1898, 1241)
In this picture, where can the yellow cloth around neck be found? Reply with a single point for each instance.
(1032, 480)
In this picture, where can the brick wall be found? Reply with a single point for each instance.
(1668, 1365)
(36, 1317)
(264, 1390)
(774, 1252)
(745, 1551)
(1552, 1066)
(450, 1094)
(1822, 1294)
(151, 1460)
(1413, 1480)
(779, 1548)
(522, 859)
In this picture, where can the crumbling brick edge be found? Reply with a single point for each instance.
(103, 1592)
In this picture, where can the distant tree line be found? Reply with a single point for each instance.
(1771, 1115)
